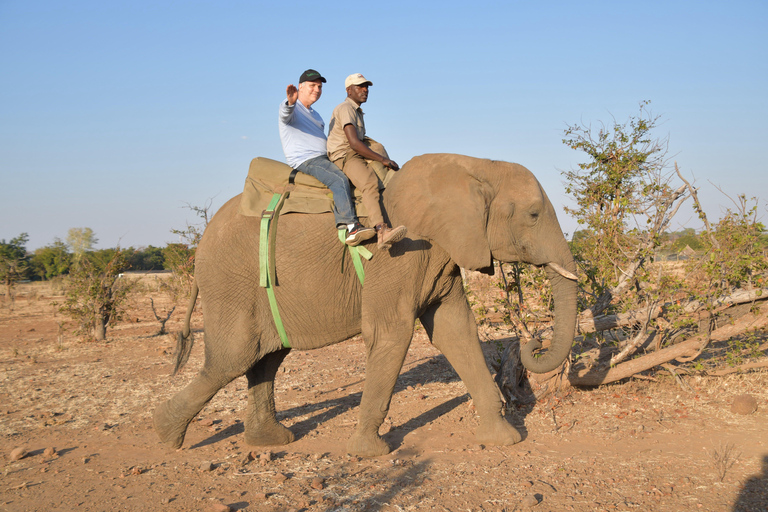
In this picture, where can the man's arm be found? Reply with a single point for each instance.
(363, 150)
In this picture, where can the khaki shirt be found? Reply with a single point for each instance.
(348, 112)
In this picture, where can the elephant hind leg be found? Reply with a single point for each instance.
(171, 418)
(261, 425)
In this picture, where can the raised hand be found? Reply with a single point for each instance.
(292, 93)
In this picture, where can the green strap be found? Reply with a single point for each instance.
(267, 237)
(356, 252)
(266, 217)
(267, 255)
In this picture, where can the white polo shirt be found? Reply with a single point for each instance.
(302, 133)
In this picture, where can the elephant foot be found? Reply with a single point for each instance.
(268, 434)
(499, 432)
(170, 430)
(367, 445)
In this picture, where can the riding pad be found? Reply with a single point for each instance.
(267, 177)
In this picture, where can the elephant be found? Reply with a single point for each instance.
(460, 211)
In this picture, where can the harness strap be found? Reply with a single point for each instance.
(267, 278)
(356, 252)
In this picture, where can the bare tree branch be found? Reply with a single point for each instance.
(697, 207)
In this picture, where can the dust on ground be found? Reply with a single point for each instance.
(82, 412)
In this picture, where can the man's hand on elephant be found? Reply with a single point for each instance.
(391, 164)
(292, 93)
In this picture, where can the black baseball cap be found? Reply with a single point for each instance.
(311, 75)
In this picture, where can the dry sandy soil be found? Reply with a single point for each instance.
(637, 445)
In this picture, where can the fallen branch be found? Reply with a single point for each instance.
(543, 384)
(740, 368)
(642, 337)
(596, 376)
(603, 375)
(587, 323)
(737, 297)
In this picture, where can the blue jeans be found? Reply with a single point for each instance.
(332, 177)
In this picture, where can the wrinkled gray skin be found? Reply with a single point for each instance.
(458, 210)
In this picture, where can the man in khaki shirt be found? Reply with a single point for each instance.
(357, 155)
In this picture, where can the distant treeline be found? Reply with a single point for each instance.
(671, 242)
(57, 259)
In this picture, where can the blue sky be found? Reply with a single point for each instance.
(113, 115)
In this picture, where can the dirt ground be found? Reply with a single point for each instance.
(82, 411)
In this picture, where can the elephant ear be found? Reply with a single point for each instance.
(444, 198)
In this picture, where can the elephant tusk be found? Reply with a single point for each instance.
(560, 270)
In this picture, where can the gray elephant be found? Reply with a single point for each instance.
(459, 211)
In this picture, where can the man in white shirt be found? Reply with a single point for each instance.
(302, 133)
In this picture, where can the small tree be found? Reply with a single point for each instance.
(14, 262)
(180, 257)
(734, 257)
(81, 240)
(194, 232)
(52, 260)
(622, 198)
(95, 294)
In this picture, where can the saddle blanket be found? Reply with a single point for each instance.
(267, 177)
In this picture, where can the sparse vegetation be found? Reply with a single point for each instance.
(723, 459)
(14, 262)
(51, 261)
(95, 294)
(633, 305)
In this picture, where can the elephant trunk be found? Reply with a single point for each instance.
(564, 291)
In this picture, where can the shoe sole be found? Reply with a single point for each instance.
(395, 235)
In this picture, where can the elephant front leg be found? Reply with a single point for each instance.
(383, 365)
(261, 425)
(452, 329)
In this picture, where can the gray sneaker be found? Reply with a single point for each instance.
(359, 234)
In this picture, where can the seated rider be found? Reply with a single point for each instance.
(358, 156)
(304, 144)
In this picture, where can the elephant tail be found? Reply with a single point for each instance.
(186, 339)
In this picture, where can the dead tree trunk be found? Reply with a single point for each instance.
(160, 319)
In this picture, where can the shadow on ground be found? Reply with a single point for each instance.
(432, 369)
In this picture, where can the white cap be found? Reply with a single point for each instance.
(356, 79)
